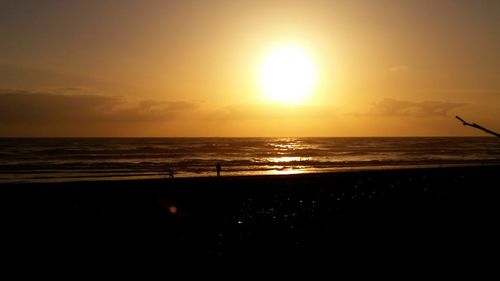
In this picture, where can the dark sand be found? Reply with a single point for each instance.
(430, 211)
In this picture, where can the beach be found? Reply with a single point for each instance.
(404, 210)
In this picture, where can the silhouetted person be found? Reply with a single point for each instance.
(170, 173)
(218, 168)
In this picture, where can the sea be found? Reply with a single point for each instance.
(79, 159)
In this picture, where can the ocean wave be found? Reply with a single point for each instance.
(113, 157)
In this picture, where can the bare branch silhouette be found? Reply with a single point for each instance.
(465, 123)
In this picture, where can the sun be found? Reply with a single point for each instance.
(287, 74)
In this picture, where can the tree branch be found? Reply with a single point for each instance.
(465, 123)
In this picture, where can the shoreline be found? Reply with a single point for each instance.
(251, 175)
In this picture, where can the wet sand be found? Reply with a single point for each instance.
(439, 210)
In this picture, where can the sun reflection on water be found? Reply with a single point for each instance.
(282, 148)
(287, 159)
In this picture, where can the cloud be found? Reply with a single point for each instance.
(69, 90)
(468, 91)
(399, 68)
(393, 107)
(269, 112)
(17, 106)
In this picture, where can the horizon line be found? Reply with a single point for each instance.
(231, 137)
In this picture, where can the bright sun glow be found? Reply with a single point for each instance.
(287, 74)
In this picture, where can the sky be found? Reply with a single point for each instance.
(191, 68)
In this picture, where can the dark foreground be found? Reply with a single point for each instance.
(430, 211)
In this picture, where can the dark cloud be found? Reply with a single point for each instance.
(28, 107)
(71, 90)
(393, 107)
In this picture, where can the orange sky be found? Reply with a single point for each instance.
(161, 68)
